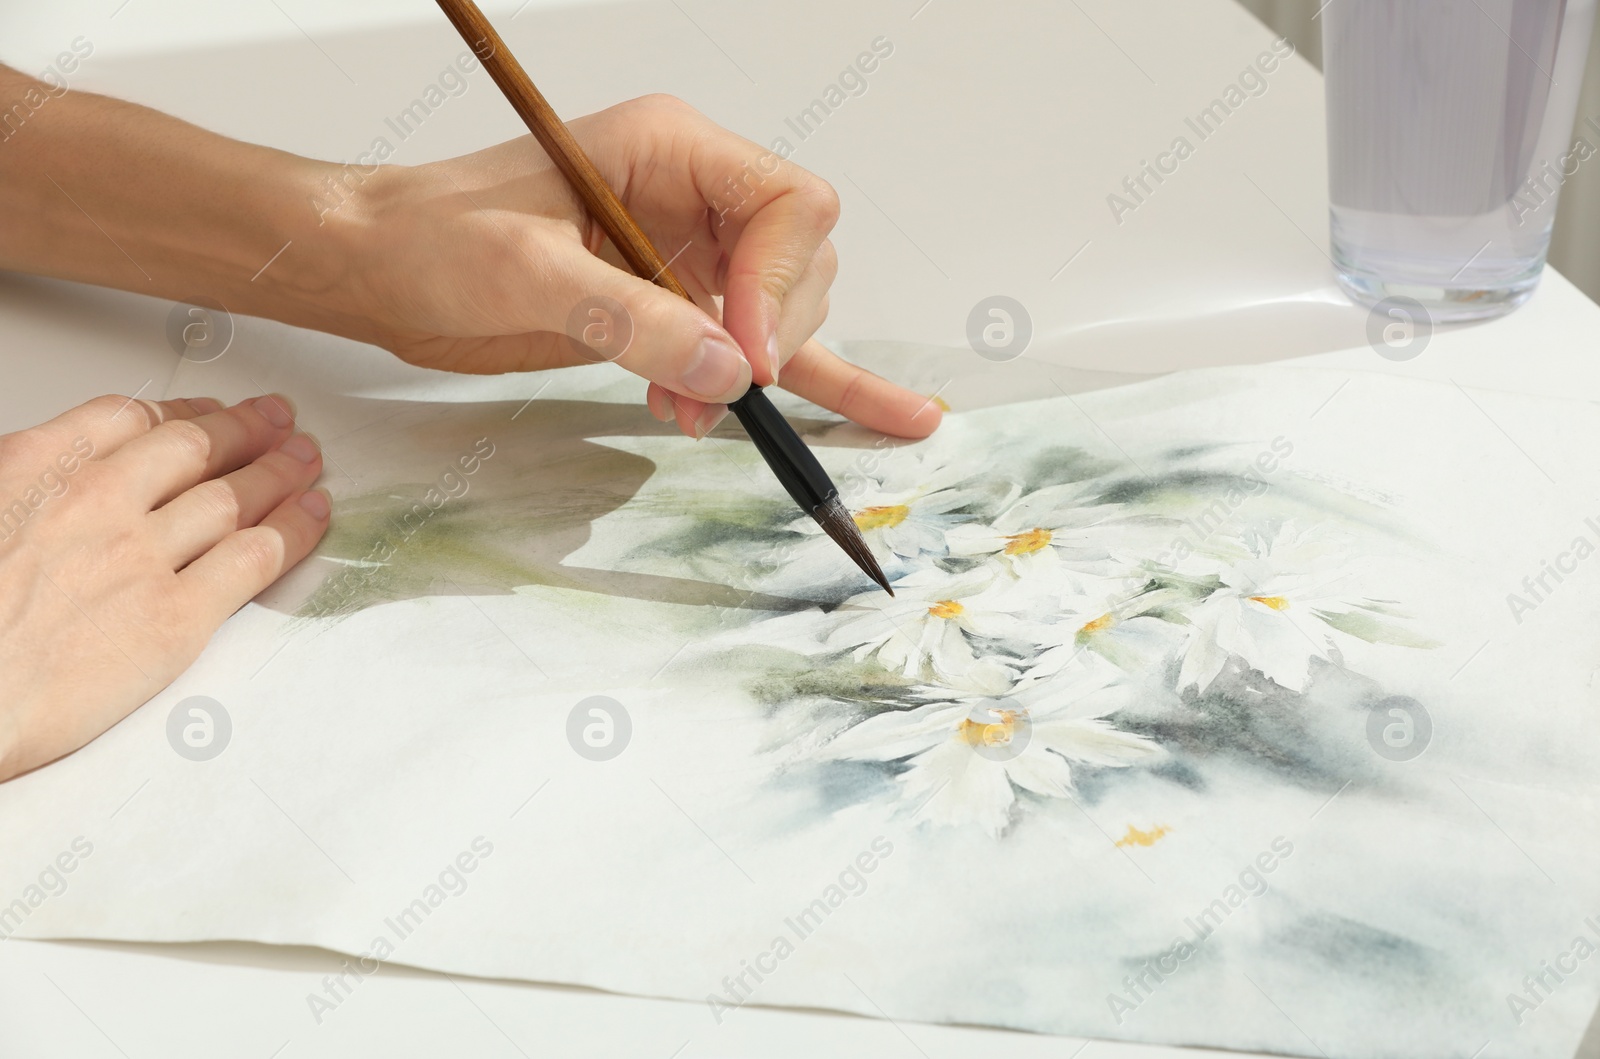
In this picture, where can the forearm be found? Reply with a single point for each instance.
(107, 192)
(485, 263)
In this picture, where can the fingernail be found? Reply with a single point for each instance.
(708, 419)
(205, 405)
(276, 409)
(715, 369)
(771, 316)
(660, 405)
(315, 503)
(300, 447)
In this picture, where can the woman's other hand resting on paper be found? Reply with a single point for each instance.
(129, 531)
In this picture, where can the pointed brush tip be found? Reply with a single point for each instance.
(836, 522)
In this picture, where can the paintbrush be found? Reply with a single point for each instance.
(794, 464)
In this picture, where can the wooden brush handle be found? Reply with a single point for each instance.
(556, 139)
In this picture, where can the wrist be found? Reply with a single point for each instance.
(323, 216)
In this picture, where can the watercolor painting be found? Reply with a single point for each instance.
(1066, 616)
(1122, 649)
(1197, 717)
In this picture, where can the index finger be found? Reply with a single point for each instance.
(821, 377)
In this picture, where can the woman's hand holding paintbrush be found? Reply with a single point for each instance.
(472, 264)
(785, 453)
(475, 264)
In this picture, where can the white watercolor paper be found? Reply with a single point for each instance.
(1244, 708)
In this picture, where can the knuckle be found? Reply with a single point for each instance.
(108, 406)
(826, 261)
(781, 277)
(822, 201)
(665, 101)
(218, 503)
(662, 320)
(114, 409)
(90, 479)
(800, 372)
(187, 439)
(95, 490)
(119, 548)
(852, 393)
(259, 553)
(282, 473)
(166, 617)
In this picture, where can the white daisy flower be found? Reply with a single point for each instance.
(1106, 616)
(968, 757)
(1271, 609)
(1058, 527)
(903, 514)
(906, 512)
(1133, 642)
(941, 630)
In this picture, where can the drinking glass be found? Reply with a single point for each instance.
(1450, 133)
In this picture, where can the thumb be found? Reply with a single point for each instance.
(648, 330)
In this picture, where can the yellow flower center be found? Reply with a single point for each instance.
(1027, 543)
(1104, 621)
(1275, 602)
(947, 608)
(881, 517)
(998, 733)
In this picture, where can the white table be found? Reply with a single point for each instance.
(978, 162)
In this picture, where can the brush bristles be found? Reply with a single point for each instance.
(836, 522)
